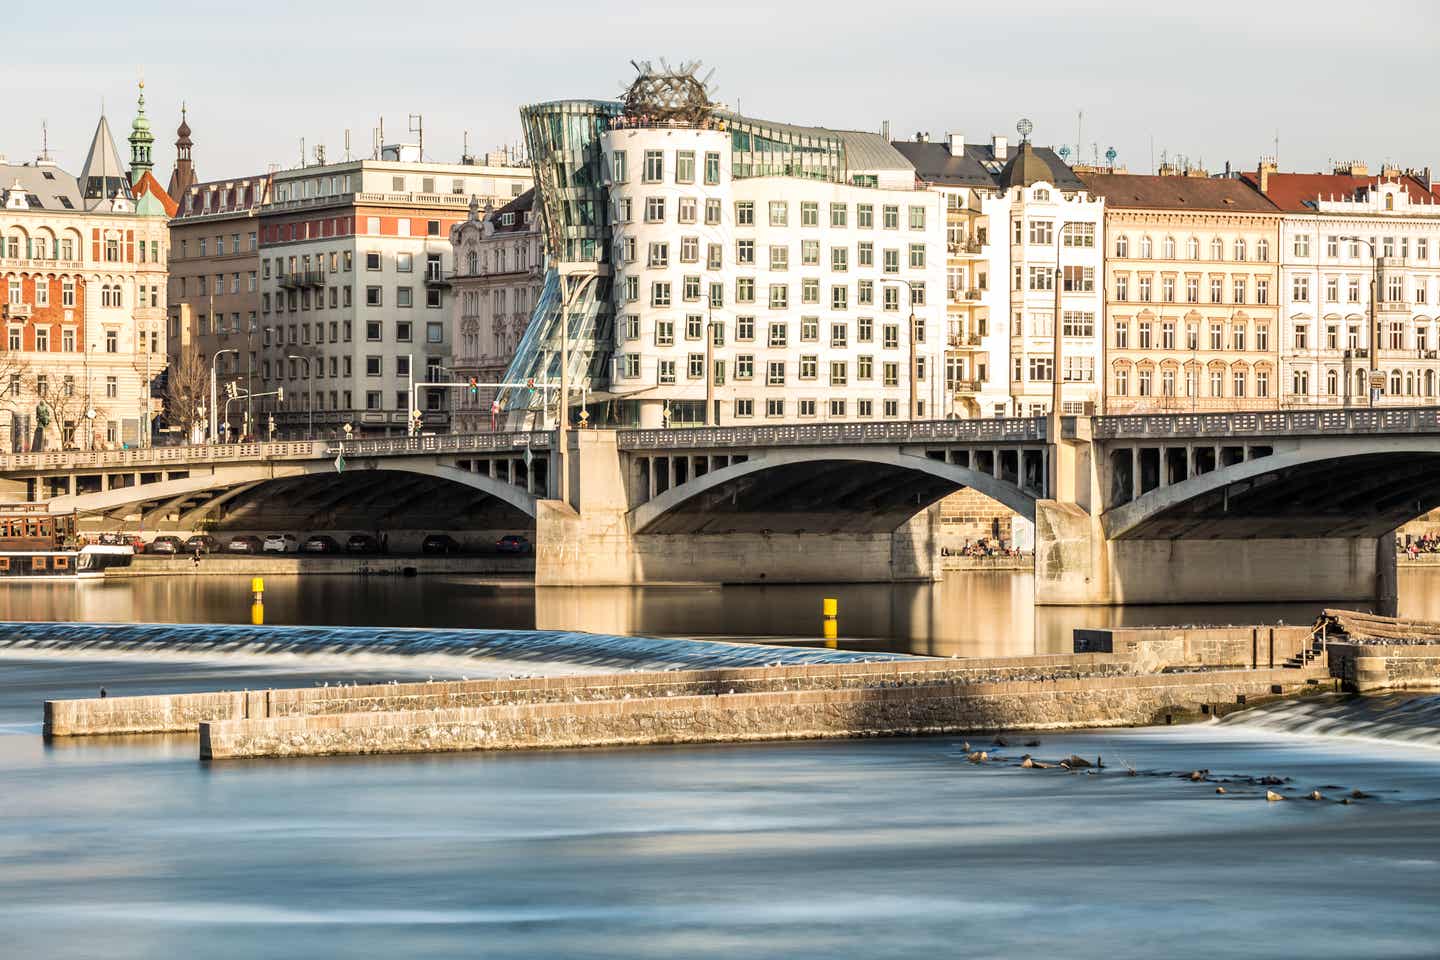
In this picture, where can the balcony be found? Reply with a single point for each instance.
(436, 278)
(963, 341)
(312, 278)
(18, 311)
(968, 248)
(289, 281)
(965, 386)
(971, 295)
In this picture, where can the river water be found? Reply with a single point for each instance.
(966, 614)
(129, 847)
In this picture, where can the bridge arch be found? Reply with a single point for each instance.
(258, 481)
(872, 488)
(1321, 488)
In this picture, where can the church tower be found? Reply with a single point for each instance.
(142, 141)
(183, 176)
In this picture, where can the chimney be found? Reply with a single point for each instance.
(885, 130)
(1262, 173)
(957, 144)
(1352, 168)
(921, 136)
(1389, 171)
(1000, 146)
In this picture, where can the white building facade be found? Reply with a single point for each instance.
(742, 298)
(1342, 235)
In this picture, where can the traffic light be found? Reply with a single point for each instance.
(474, 387)
(279, 394)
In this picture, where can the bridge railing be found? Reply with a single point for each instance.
(141, 458)
(1273, 423)
(826, 434)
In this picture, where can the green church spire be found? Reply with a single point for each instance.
(141, 141)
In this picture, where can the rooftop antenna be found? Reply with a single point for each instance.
(1079, 134)
(1152, 153)
(347, 143)
(302, 151)
(320, 154)
(44, 139)
(1277, 148)
(417, 125)
(1110, 155)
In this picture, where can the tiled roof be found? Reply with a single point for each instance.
(233, 195)
(1298, 192)
(979, 167)
(1125, 190)
(149, 185)
(520, 206)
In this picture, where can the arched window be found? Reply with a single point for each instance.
(1240, 250)
(1429, 383)
(1169, 248)
(1389, 201)
(1147, 248)
(1394, 383)
(1122, 246)
(1332, 383)
(1360, 378)
(1192, 248)
(1217, 249)
(472, 262)
(1262, 250)
(1409, 383)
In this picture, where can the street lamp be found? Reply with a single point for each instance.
(914, 360)
(309, 391)
(1374, 315)
(214, 387)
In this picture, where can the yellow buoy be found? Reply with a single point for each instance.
(830, 624)
(257, 613)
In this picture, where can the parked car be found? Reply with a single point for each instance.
(243, 544)
(166, 543)
(440, 543)
(512, 543)
(281, 543)
(361, 543)
(202, 542)
(321, 544)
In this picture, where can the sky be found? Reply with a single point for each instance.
(1212, 82)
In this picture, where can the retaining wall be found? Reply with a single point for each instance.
(791, 714)
(1368, 666)
(1159, 648)
(275, 564)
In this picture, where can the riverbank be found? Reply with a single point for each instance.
(508, 567)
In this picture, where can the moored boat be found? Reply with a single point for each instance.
(38, 545)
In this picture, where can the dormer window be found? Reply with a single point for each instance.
(1041, 193)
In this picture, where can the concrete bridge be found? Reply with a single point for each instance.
(1179, 508)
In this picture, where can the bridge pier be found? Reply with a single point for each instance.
(1076, 565)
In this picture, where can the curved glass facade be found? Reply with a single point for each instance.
(563, 138)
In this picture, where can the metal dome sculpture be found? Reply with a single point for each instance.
(668, 95)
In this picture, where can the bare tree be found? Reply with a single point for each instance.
(187, 390)
(12, 377)
(60, 409)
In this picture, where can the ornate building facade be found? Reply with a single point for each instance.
(1191, 288)
(83, 274)
(499, 271)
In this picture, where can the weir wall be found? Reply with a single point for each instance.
(779, 715)
(179, 713)
(1160, 648)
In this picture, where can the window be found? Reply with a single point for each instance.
(660, 293)
(744, 213)
(1302, 245)
(685, 166)
(865, 253)
(777, 334)
(373, 297)
(917, 256)
(1302, 337)
(654, 166)
(619, 170)
(774, 408)
(810, 290)
(810, 253)
(404, 296)
(745, 252)
(1192, 289)
(745, 290)
(685, 210)
(779, 296)
(839, 298)
(775, 373)
(112, 341)
(712, 211)
(865, 216)
(917, 218)
(712, 168)
(1079, 279)
(1122, 246)
(664, 333)
(1042, 278)
(809, 329)
(809, 213)
(1167, 288)
(1300, 289)
(890, 217)
(654, 209)
(779, 213)
(1079, 235)
(1262, 291)
(659, 255)
(1042, 232)
(809, 366)
(745, 366)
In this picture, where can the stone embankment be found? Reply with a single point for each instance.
(283, 564)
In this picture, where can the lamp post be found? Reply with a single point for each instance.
(309, 391)
(1374, 314)
(214, 387)
(914, 358)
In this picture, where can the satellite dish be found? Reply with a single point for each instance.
(1110, 156)
(1065, 154)
(1024, 128)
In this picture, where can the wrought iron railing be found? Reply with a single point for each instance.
(825, 434)
(1276, 423)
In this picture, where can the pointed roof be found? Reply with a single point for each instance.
(151, 198)
(103, 175)
(142, 141)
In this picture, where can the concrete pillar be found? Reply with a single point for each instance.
(1164, 466)
(1135, 489)
(1189, 460)
(1387, 583)
(995, 463)
(650, 468)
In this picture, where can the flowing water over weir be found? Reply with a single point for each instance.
(539, 646)
(1404, 718)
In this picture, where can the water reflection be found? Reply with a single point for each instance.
(966, 614)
